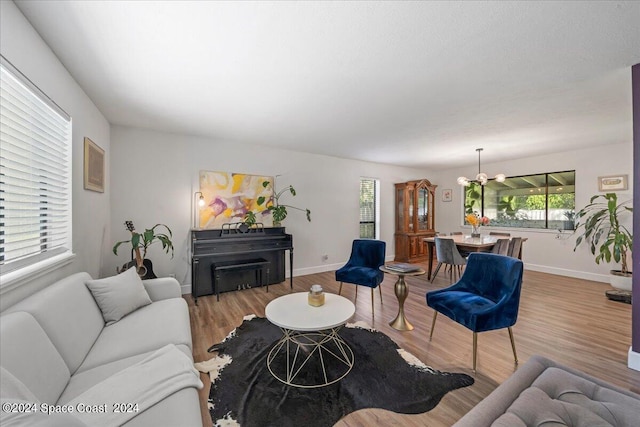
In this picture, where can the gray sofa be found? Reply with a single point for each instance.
(56, 343)
(542, 392)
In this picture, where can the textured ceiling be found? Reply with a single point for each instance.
(409, 83)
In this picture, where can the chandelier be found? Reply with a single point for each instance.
(481, 178)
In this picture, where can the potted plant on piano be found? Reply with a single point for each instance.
(278, 209)
(141, 242)
(601, 226)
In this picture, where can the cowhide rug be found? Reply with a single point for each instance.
(244, 392)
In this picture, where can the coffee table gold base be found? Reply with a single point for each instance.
(400, 322)
(300, 347)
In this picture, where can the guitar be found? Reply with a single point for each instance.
(144, 267)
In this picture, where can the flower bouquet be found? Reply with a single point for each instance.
(476, 221)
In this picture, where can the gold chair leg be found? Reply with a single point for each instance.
(433, 324)
(475, 349)
(380, 289)
(340, 290)
(513, 345)
(372, 309)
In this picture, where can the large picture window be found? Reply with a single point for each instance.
(35, 174)
(545, 200)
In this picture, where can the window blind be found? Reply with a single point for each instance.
(35, 173)
(367, 208)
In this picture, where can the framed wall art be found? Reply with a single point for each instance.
(613, 183)
(447, 195)
(93, 166)
(229, 196)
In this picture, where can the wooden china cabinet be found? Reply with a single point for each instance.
(415, 219)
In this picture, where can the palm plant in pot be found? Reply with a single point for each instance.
(599, 226)
(140, 242)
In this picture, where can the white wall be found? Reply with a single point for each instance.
(24, 48)
(154, 176)
(543, 251)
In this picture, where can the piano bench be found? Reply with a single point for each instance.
(259, 265)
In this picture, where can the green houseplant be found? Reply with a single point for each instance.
(141, 242)
(599, 226)
(278, 210)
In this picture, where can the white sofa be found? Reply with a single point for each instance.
(56, 343)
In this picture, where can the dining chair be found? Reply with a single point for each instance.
(501, 247)
(515, 246)
(447, 253)
(363, 267)
(499, 233)
(464, 254)
(486, 298)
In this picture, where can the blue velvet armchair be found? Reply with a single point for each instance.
(363, 267)
(486, 297)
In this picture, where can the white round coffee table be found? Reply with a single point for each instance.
(310, 332)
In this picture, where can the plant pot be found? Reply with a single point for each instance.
(621, 281)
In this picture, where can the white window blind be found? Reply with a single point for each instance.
(368, 203)
(35, 173)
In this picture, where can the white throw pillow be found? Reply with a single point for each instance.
(119, 295)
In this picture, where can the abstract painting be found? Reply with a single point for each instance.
(229, 196)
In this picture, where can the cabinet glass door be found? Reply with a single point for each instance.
(410, 212)
(400, 210)
(423, 208)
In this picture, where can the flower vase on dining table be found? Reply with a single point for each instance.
(475, 231)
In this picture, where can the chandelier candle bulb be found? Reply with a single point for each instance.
(316, 296)
(482, 177)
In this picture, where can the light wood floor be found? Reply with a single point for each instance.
(567, 320)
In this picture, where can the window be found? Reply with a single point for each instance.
(369, 209)
(35, 174)
(544, 200)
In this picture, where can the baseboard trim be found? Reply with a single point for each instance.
(633, 360)
(324, 267)
(186, 288)
(316, 269)
(569, 273)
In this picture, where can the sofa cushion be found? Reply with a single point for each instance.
(28, 354)
(542, 392)
(13, 388)
(162, 288)
(534, 407)
(73, 335)
(119, 295)
(84, 380)
(148, 328)
(35, 418)
(180, 409)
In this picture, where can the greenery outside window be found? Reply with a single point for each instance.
(369, 208)
(544, 201)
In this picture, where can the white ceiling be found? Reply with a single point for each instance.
(409, 83)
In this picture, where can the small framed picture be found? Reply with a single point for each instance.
(447, 195)
(613, 183)
(93, 166)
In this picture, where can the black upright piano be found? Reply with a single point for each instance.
(237, 257)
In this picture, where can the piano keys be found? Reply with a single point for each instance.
(262, 250)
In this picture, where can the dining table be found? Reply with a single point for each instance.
(466, 243)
